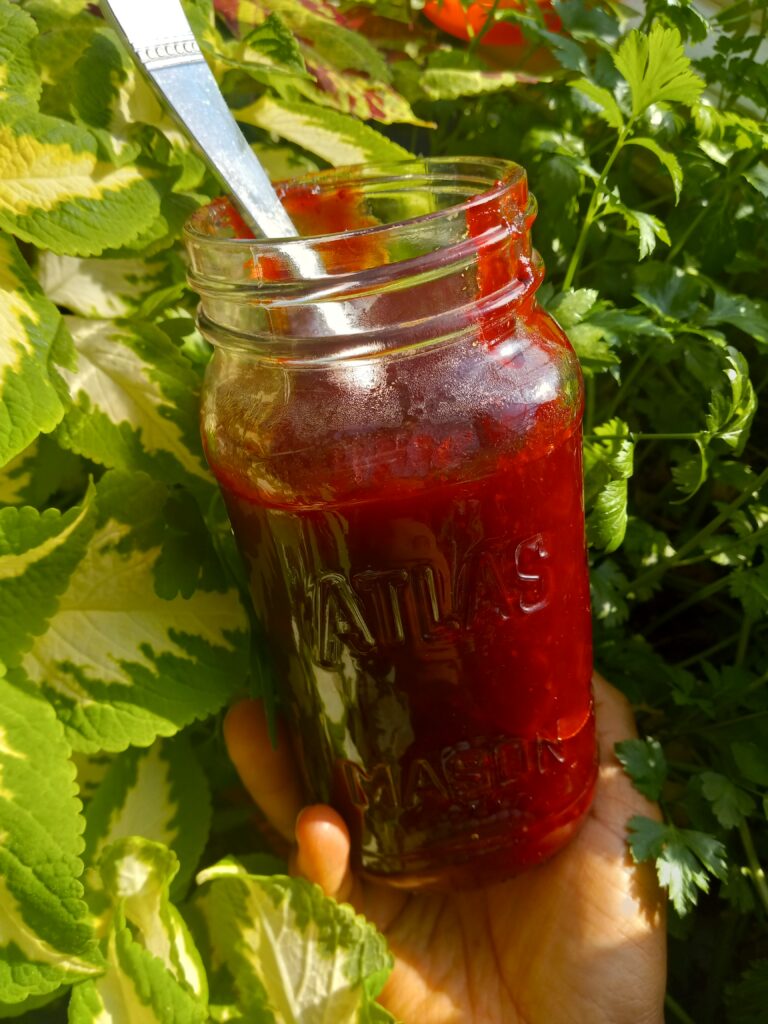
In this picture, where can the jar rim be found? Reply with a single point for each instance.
(493, 176)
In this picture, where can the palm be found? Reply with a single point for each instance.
(579, 939)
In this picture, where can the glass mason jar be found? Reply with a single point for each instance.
(396, 427)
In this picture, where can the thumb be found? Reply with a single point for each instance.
(322, 854)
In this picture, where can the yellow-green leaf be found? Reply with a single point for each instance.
(57, 194)
(46, 937)
(30, 401)
(166, 662)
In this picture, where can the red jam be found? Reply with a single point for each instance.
(415, 543)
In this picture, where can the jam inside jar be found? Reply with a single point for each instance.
(398, 441)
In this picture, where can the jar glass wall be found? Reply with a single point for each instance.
(398, 440)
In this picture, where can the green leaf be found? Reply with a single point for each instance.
(749, 315)
(607, 467)
(335, 137)
(274, 42)
(110, 99)
(40, 472)
(38, 554)
(160, 794)
(750, 587)
(27, 1006)
(31, 398)
(667, 159)
(732, 405)
(347, 71)
(46, 938)
(685, 860)
(19, 80)
(668, 290)
(747, 999)
(167, 662)
(320, 25)
(437, 83)
(154, 973)
(608, 586)
(572, 306)
(135, 402)
(752, 761)
(730, 804)
(644, 762)
(592, 344)
(656, 69)
(97, 288)
(691, 472)
(607, 520)
(649, 227)
(56, 193)
(287, 952)
(607, 107)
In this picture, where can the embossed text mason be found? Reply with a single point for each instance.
(406, 492)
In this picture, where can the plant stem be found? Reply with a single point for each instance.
(700, 594)
(756, 872)
(676, 1010)
(727, 547)
(589, 403)
(488, 24)
(630, 378)
(741, 649)
(594, 202)
(691, 227)
(632, 436)
(705, 654)
(714, 524)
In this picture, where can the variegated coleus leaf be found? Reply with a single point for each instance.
(19, 80)
(32, 398)
(134, 402)
(349, 73)
(450, 83)
(100, 288)
(159, 793)
(285, 952)
(154, 973)
(39, 551)
(338, 138)
(112, 99)
(121, 664)
(41, 471)
(46, 937)
(57, 193)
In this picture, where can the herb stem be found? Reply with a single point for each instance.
(676, 1010)
(714, 524)
(690, 228)
(741, 648)
(630, 379)
(589, 403)
(594, 202)
(703, 655)
(488, 24)
(700, 594)
(739, 542)
(756, 872)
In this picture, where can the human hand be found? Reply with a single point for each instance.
(578, 940)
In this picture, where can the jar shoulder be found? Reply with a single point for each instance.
(336, 431)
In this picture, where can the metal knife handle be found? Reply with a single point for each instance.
(161, 38)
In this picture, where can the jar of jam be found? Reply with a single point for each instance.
(398, 440)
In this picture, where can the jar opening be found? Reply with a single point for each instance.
(388, 254)
(397, 194)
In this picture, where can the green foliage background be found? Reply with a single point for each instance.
(123, 629)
